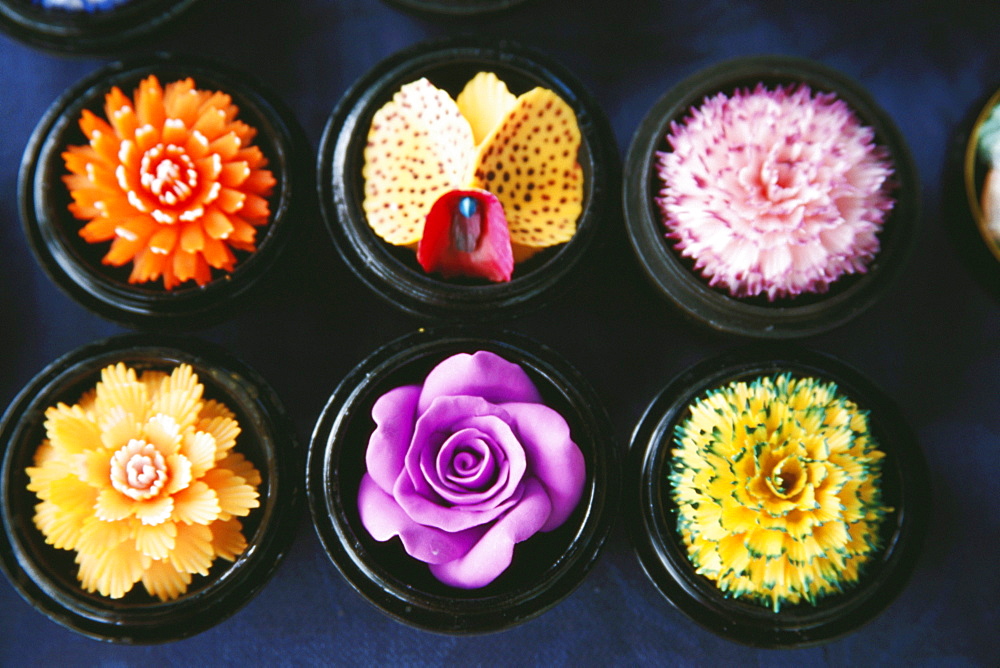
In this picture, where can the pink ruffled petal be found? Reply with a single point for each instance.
(553, 458)
(383, 518)
(492, 555)
(394, 414)
(482, 374)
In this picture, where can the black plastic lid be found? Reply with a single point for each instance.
(393, 272)
(75, 265)
(651, 514)
(80, 31)
(674, 277)
(46, 577)
(546, 567)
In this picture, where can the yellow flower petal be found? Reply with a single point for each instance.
(419, 147)
(227, 539)
(113, 506)
(164, 581)
(112, 572)
(157, 541)
(242, 467)
(484, 102)
(70, 429)
(199, 448)
(180, 473)
(541, 191)
(163, 433)
(98, 535)
(154, 511)
(118, 427)
(235, 496)
(224, 430)
(197, 504)
(120, 389)
(193, 551)
(61, 529)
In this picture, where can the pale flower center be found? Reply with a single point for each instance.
(168, 174)
(138, 470)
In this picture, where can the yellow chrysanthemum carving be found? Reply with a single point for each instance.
(140, 479)
(777, 486)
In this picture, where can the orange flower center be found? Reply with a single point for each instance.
(168, 174)
(138, 470)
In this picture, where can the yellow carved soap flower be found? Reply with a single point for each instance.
(140, 479)
(777, 486)
(171, 179)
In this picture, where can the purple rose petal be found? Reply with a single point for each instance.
(394, 414)
(492, 555)
(553, 458)
(383, 518)
(482, 374)
(466, 466)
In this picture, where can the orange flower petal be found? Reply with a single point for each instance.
(199, 448)
(180, 473)
(197, 504)
(98, 535)
(224, 430)
(228, 540)
(192, 551)
(241, 467)
(231, 200)
(149, 102)
(61, 529)
(226, 146)
(163, 240)
(156, 542)
(211, 123)
(218, 255)
(164, 581)
(235, 496)
(91, 123)
(261, 182)
(112, 572)
(162, 431)
(120, 389)
(234, 174)
(70, 430)
(217, 224)
(113, 506)
(154, 511)
(256, 207)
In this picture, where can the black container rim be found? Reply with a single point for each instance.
(225, 591)
(962, 212)
(677, 283)
(51, 230)
(659, 548)
(85, 32)
(466, 613)
(407, 287)
(456, 8)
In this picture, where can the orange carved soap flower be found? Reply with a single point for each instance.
(171, 180)
(140, 479)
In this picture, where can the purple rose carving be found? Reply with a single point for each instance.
(467, 465)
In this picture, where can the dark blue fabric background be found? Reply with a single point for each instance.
(932, 345)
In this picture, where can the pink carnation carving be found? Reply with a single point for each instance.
(774, 192)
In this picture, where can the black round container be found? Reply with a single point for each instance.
(455, 8)
(965, 176)
(46, 577)
(100, 31)
(673, 276)
(75, 265)
(546, 567)
(392, 271)
(651, 513)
